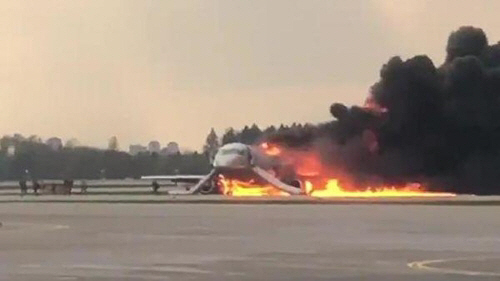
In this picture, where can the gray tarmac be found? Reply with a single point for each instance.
(185, 241)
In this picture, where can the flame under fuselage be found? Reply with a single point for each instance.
(239, 173)
(237, 161)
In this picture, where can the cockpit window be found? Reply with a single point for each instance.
(233, 151)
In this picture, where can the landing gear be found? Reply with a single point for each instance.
(207, 189)
(296, 183)
(210, 187)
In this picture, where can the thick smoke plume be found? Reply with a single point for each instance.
(436, 125)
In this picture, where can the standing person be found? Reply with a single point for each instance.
(83, 187)
(68, 185)
(23, 182)
(36, 187)
(156, 186)
(53, 188)
(23, 186)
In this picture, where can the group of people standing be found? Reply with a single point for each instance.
(51, 188)
(24, 187)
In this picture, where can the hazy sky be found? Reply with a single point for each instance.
(171, 70)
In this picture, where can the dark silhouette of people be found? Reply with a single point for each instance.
(83, 187)
(68, 184)
(156, 186)
(36, 187)
(23, 186)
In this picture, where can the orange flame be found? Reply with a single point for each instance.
(271, 150)
(307, 166)
(234, 187)
(332, 188)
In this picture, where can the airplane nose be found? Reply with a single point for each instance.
(231, 161)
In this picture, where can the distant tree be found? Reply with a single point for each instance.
(211, 144)
(4, 166)
(269, 130)
(116, 164)
(23, 160)
(282, 128)
(250, 135)
(43, 162)
(54, 143)
(113, 144)
(5, 143)
(18, 138)
(246, 135)
(35, 138)
(229, 136)
(308, 125)
(71, 143)
(255, 134)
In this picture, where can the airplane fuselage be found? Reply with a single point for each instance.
(245, 163)
(238, 161)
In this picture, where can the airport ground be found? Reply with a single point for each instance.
(363, 240)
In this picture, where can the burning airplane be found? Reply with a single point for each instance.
(421, 123)
(270, 170)
(246, 163)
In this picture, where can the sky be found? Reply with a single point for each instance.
(171, 70)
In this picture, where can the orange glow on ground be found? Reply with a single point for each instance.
(232, 187)
(333, 189)
(238, 188)
(307, 166)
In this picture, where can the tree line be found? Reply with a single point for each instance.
(248, 135)
(31, 157)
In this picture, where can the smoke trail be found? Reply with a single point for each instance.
(421, 122)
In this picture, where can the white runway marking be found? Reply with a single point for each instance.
(61, 226)
(22, 226)
(141, 272)
(166, 269)
(35, 265)
(427, 266)
(67, 278)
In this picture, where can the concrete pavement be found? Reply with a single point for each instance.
(81, 241)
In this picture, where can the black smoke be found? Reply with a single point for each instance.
(438, 125)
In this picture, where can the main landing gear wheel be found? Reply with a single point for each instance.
(207, 189)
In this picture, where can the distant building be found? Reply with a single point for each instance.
(11, 150)
(172, 148)
(154, 147)
(136, 149)
(54, 143)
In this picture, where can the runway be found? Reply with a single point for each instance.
(163, 198)
(82, 241)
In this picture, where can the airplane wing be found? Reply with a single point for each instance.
(200, 180)
(175, 178)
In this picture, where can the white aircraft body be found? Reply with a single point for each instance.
(237, 160)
